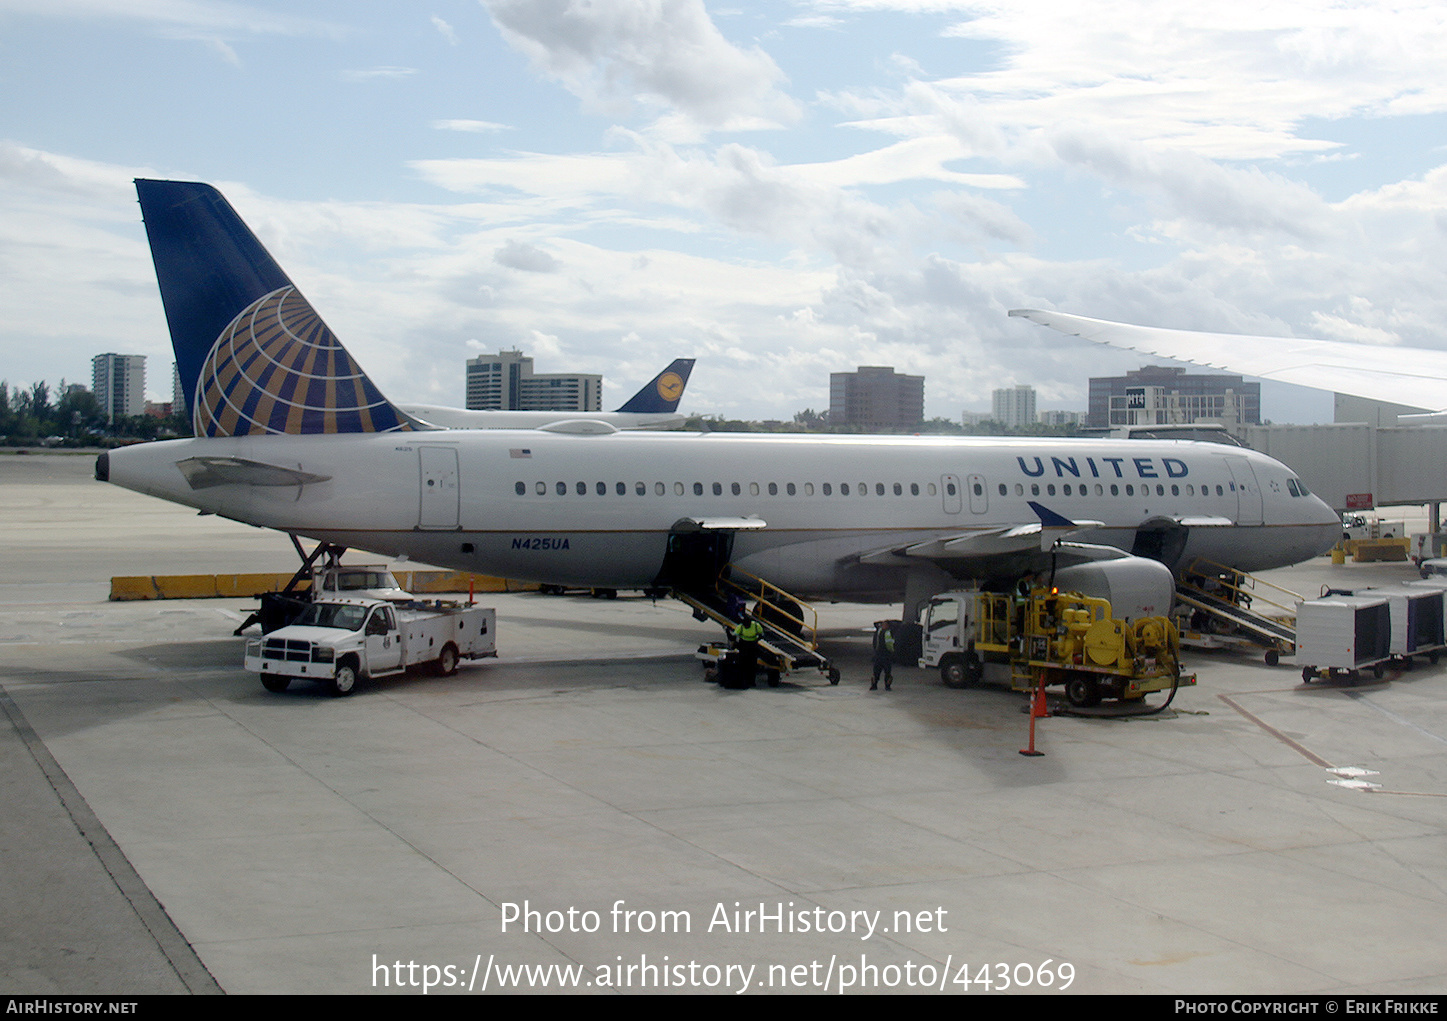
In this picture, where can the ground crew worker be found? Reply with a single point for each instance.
(746, 636)
(883, 656)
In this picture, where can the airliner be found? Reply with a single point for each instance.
(291, 434)
(655, 406)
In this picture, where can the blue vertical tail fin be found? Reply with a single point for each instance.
(661, 394)
(253, 355)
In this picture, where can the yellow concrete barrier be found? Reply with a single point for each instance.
(133, 587)
(186, 586)
(250, 584)
(208, 586)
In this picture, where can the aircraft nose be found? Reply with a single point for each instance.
(1328, 525)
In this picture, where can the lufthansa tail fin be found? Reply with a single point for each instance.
(662, 393)
(253, 355)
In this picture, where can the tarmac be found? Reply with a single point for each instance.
(587, 814)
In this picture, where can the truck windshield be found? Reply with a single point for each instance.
(349, 581)
(338, 615)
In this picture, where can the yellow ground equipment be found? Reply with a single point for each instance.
(1052, 637)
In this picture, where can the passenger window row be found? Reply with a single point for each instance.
(1116, 489)
(732, 488)
(877, 489)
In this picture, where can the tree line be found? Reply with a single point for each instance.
(72, 417)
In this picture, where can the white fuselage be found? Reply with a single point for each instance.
(597, 510)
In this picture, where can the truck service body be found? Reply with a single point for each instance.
(340, 641)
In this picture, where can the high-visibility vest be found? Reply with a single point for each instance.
(749, 631)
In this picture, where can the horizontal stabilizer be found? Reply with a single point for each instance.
(578, 427)
(206, 472)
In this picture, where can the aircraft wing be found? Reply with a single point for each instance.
(987, 543)
(1416, 377)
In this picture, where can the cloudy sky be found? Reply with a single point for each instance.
(779, 189)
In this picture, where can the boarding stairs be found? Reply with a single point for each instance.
(1236, 603)
(790, 625)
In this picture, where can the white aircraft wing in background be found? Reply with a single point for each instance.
(1416, 377)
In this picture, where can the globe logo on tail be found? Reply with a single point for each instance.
(277, 368)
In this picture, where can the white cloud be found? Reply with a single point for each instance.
(374, 73)
(528, 258)
(201, 16)
(444, 29)
(476, 127)
(665, 55)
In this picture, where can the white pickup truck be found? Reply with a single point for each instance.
(340, 641)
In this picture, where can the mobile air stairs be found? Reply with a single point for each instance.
(791, 626)
(1225, 607)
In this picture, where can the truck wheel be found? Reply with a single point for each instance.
(1082, 691)
(344, 680)
(962, 671)
(1272, 657)
(447, 662)
(271, 682)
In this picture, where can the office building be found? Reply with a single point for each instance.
(119, 384)
(1014, 406)
(1162, 395)
(876, 397)
(506, 382)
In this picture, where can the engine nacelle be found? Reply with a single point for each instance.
(1134, 586)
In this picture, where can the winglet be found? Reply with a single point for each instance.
(1048, 518)
(662, 393)
(1054, 526)
(253, 355)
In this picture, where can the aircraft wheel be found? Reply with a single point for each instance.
(1082, 691)
(447, 662)
(344, 681)
(271, 682)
